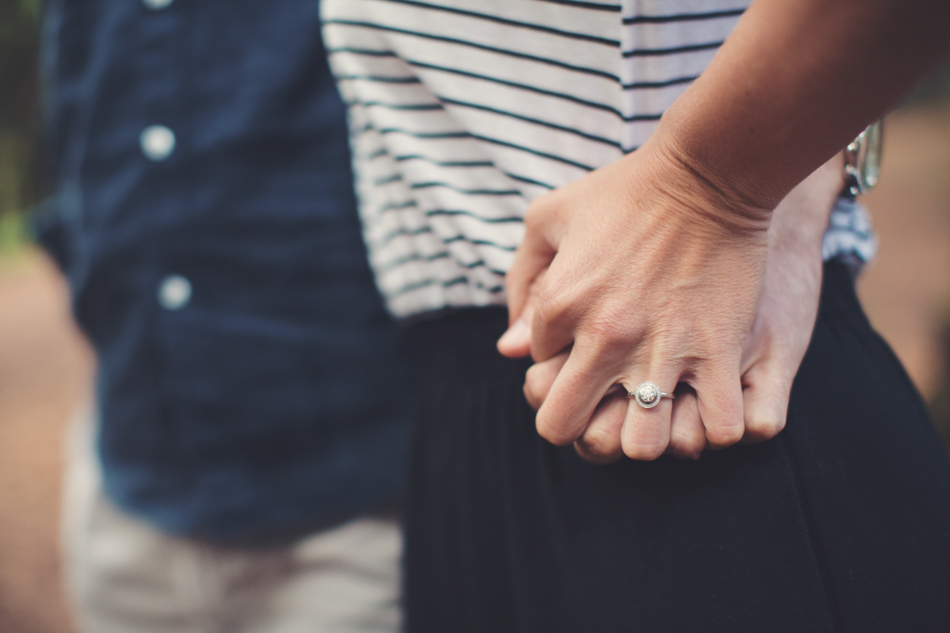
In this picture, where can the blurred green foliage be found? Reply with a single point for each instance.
(20, 185)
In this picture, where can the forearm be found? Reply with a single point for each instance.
(794, 83)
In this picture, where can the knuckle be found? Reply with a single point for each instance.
(556, 433)
(553, 304)
(534, 217)
(532, 380)
(599, 445)
(764, 428)
(726, 434)
(601, 338)
(687, 445)
(529, 395)
(610, 336)
(644, 450)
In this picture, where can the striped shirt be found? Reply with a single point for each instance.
(464, 111)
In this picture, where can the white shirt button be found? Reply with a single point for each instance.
(156, 4)
(158, 142)
(174, 292)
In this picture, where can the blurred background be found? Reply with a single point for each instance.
(45, 366)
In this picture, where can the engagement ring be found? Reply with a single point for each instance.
(648, 394)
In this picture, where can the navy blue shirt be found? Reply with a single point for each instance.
(249, 379)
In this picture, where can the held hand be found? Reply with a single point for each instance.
(772, 351)
(649, 273)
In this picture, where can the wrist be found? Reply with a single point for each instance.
(726, 201)
(800, 220)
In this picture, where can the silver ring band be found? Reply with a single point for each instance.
(648, 394)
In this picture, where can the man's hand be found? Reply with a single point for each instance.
(770, 353)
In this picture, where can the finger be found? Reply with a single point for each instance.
(516, 341)
(719, 392)
(687, 434)
(532, 257)
(646, 432)
(558, 305)
(767, 388)
(600, 442)
(571, 401)
(540, 377)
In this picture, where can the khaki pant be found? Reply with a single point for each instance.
(124, 576)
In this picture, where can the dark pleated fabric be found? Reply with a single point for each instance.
(841, 523)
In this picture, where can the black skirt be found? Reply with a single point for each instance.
(841, 523)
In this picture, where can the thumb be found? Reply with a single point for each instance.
(532, 258)
(516, 341)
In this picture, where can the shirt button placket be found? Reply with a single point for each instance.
(157, 143)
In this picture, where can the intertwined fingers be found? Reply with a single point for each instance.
(687, 433)
(540, 377)
(646, 432)
(766, 391)
(579, 387)
(719, 394)
(600, 442)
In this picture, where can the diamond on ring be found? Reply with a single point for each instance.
(648, 394)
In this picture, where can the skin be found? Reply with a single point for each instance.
(653, 267)
(772, 351)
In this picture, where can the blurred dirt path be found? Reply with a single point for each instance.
(45, 369)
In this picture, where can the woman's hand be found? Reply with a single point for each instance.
(670, 297)
(650, 273)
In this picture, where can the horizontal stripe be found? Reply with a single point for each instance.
(515, 84)
(416, 257)
(515, 219)
(487, 139)
(444, 163)
(384, 241)
(428, 282)
(396, 106)
(529, 181)
(676, 50)
(641, 85)
(432, 135)
(462, 238)
(372, 52)
(468, 192)
(380, 78)
(522, 148)
(396, 206)
(547, 124)
(507, 22)
(387, 180)
(491, 49)
(537, 90)
(593, 6)
(445, 284)
(383, 269)
(682, 17)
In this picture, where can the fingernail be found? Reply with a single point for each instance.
(515, 335)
